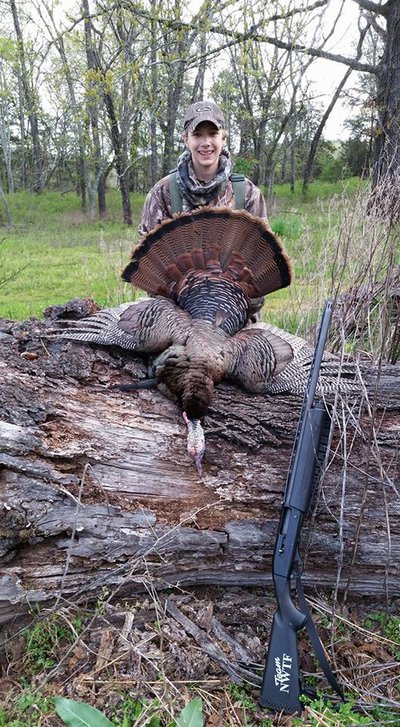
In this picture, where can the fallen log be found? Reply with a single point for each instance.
(98, 494)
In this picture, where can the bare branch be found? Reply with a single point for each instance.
(372, 7)
(278, 43)
(251, 34)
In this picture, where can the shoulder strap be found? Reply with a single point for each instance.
(238, 183)
(176, 199)
(313, 634)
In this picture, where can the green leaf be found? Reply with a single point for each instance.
(8, 49)
(191, 715)
(79, 714)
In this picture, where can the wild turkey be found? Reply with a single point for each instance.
(204, 268)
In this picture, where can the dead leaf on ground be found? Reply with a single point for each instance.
(105, 649)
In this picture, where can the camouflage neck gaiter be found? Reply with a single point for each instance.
(200, 193)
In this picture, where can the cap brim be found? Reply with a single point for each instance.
(192, 125)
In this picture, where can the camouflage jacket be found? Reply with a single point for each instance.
(157, 206)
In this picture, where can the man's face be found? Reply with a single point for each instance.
(205, 144)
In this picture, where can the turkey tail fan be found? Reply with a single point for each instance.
(229, 243)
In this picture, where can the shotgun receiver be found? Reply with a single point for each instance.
(282, 682)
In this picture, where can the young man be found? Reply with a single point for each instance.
(203, 176)
(203, 171)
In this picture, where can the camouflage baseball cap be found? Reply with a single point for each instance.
(203, 111)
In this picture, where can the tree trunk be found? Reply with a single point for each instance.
(81, 163)
(154, 96)
(198, 86)
(386, 176)
(92, 111)
(5, 135)
(173, 99)
(102, 195)
(120, 159)
(117, 141)
(292, 166)
(98, 493)
(30, 105)
(6, 207)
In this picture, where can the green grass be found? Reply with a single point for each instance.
(318, 190)
(390, 628)
(53, 253)
(44, 639)
(44, 274)
(28, 710)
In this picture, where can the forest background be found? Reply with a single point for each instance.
(92, 93)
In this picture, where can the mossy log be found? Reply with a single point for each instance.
(98, 494)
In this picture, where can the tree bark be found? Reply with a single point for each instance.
(177, 71)
(198, 86)
(97, 492)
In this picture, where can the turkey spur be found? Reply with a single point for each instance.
(204, 270)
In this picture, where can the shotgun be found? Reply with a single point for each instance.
(282, 684)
